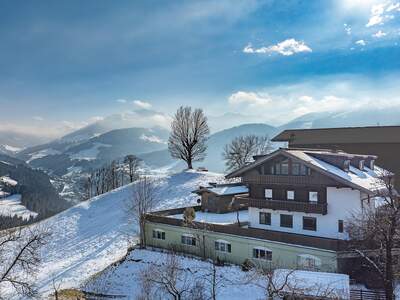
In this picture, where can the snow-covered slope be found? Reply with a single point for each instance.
(88, 237)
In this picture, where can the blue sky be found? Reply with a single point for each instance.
(65, 64)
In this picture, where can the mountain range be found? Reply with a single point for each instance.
(69, 158)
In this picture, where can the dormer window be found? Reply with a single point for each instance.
(346, 165)
(372, 164)
(361, 165)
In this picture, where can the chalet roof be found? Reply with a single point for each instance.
(344, 135)
(366, 180)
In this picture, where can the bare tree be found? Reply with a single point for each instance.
(240, 151)
(170, 278)
(144, 200)
(374, 232)
(289, 284)
(189, 134)
(20, 259)
(133, 165)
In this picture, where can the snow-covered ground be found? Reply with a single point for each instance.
(11, 207)
(8, 181)
(223, 219)
(90, 236)
(124, 279)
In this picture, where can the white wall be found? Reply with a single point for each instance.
(341, 204)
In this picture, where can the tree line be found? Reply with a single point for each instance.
(112, 175)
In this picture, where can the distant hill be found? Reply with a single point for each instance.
(37, 193)
(216, 144)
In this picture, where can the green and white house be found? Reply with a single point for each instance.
(298, 204)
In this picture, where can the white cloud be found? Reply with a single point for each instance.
(347, 28)
(287, 47)
(281, 104)
(121, 100)
(379, 34)
(152, 139)
(38, 118)
(142, 104)
(382, 12)
(249, 98)
(361, 42)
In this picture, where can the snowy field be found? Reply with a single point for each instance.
(90, 236)
(11, 207)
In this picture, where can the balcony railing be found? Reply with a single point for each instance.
(290, 205)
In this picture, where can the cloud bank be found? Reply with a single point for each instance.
(287, 48)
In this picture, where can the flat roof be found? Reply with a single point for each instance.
(341, 135)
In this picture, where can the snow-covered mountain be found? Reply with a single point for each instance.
(88, 237)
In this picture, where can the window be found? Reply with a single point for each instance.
(188, 240)
(158, 234)
(361, 165)
(262, 253)
(287, 221)
(308, 262)
(340, 226)
(304, 170)
(295, 169)
(346, 165)
(223, 246)
(313, 196)
(268, 193)
(310, 223)
(285, 167)
(265, 218)
(290, 195)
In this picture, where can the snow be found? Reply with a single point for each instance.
(90, 236)
(11, 207)
(229, 190)
(43, 153)
(8, 181)
(124, 279)
(89, 154)
(367, 179)
(223, 219)
(12, 148)
(330, 285)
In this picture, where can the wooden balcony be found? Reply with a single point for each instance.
(290, 205)
(285, 180)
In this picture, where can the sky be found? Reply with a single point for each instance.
(66, 64)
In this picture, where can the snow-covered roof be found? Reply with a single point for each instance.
(224, 189)
(229, 190)
(317, 284)
(366, 179)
